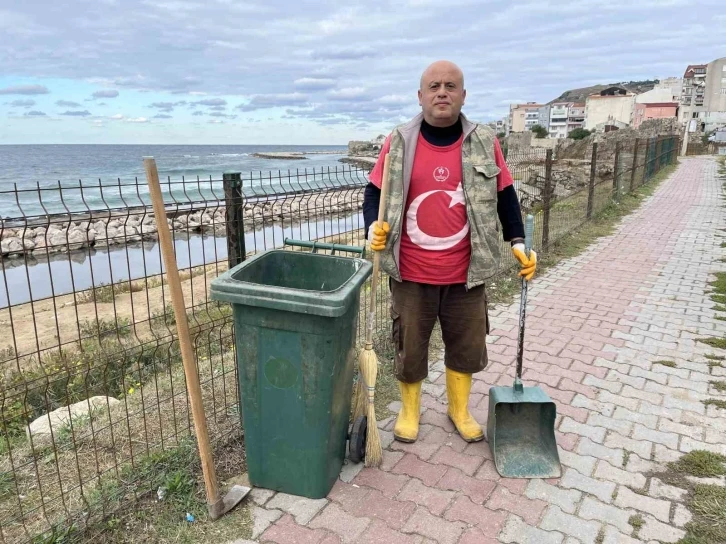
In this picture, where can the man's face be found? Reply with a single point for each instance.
(441, 95)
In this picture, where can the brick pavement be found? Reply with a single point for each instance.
(596, 324)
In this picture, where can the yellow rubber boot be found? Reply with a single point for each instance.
(406, 428)
(458, 387)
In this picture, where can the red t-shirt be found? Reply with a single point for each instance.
(435, 244)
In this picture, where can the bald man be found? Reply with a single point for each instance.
(449, 189)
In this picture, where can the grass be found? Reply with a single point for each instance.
(714, 357)
(718, 403)
(600, 538)
(700, 463)
(719, 386)
(626, 457)
(707, 503)
(719, 343)
(670, 364)
(637, 522)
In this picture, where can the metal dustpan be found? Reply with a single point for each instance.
(521, 422)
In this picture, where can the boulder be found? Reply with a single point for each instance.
(11, 245)
(40, 428)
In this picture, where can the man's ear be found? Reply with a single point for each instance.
(420, 98)
(463, 97)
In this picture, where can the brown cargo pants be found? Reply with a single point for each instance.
(415, 307)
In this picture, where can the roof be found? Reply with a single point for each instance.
(661, 105)
(691, 67)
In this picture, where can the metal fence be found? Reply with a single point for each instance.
(85, 312)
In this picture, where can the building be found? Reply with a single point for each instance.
(693, 94)
(502, 125)
(557, 126)
(655, 110)
(523, 116)
(576, 117)
(611, 104)
(655, 96)
(714, 96)
(675, 84)
(544, 116)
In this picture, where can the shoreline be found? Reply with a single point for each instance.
(100, 229)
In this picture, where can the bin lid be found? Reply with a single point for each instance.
(294, 281)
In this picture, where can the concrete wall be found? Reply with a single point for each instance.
(654, 96)
(714, 99)
(600, 109)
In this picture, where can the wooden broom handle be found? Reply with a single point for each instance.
(182, 327)
(377, 254)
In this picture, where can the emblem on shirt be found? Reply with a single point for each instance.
(441, 173)
(426, 241)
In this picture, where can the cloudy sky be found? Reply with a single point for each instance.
(315, 72)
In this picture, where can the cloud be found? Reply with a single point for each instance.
(105, 94)
(215, 121)
(24, 89)
(35, 113)
(350, 93)
(264, 101)
(67, 104)
(117, 117)
(84, 113)
(167, 106)
(162, 116)
(345, 53)
(224, 115)
(198, 113)
(22, 103)
(210, 102)
(314, 83)
(137, 120)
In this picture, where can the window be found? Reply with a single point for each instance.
(723, 90)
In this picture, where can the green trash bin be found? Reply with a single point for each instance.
(296, 317)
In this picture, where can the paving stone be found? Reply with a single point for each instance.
(489, 521)
(334, 519)
(605, 471)
(466, 463)
(688, 445)
(659, 490)
(584, 464)
(581, 401)
(574, 480)
(618, 400)
(611, 423)
(387, 483)
(301, 508)
(659, 508)
(681, 516)
(440, 530)
(613, 455)
(286, 531)
(668, 411)
(436, 500)
(350, 470)
(612, 536)
(503, 499)
(646, 420)
(412, 466)
(517, 531)
(474, 535)
(670, 440)
(618, 441)
(262, 519)
(665, 455)
(662, 532)
(260, 496)
(478, 490)
(555, 519)
(653, 398)
(566, 499)
(569, 425)
(592, 509)
(380, 533)
(612, 386)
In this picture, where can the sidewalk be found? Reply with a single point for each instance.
(595, 326)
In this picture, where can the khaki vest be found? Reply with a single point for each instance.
(479, 182)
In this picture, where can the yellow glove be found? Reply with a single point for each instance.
(379, 232)
(528, 265)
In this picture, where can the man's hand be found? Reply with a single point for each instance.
(379, 232)
(528, 265)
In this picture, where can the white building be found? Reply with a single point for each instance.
(609, 107)
(559, 113)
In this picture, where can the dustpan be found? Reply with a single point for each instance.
(521, 421)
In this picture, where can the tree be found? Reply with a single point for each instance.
(539, 131)
(579, 134)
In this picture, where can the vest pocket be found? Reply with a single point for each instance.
(485, 181)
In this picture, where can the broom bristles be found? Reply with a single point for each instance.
(366, 360)
(369, 372)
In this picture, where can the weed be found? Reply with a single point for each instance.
(719, 343)
(600, 536)
(708, 505)
(719, 386)
(626, 457)
(637, 522)
(105, 327)
(718, 403)
(670, 364)
(700, 463)
(714, 357)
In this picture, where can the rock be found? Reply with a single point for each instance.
(57, 238)
(28, 244)
(11, 245)
(7, 234)
(148, 220)
(78, 238)
(40, 231)
(287, 156)
(115, 223)
(39, 242)
(111, 232)
(40, 429)
(146, 229)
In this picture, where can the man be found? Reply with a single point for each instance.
(440, 242)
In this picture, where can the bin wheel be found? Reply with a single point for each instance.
(357, 443)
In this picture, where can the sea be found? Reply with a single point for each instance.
(31, 174)
(30, 177)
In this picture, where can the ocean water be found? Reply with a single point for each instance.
(30, 175)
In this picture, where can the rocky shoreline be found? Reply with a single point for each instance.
(79, 231)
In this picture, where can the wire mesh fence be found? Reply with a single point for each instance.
(91, 380)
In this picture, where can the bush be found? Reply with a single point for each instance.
(579, 134)
(539, 131)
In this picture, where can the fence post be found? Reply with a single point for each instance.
(547, 199)
(635, 165)
(646, 162)
(658, 151)
(616, 171)
(234, 218)
(591, 186)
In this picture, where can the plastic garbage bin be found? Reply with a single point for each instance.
(296, 318)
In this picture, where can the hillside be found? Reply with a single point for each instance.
(579, 95)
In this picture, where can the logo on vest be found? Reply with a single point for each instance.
(441, 174)
(426, 241)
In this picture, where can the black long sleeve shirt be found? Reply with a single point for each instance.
(508, 209)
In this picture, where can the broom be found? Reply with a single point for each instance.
(368, 362)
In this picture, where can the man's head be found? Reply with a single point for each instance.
(441, 94)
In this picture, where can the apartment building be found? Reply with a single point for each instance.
(693, 94)
(558, 119)
(576, 117)
(610, 107)
(523, 116)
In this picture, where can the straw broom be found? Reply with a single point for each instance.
(368, 362)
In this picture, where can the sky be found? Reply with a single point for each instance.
(315, 72)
